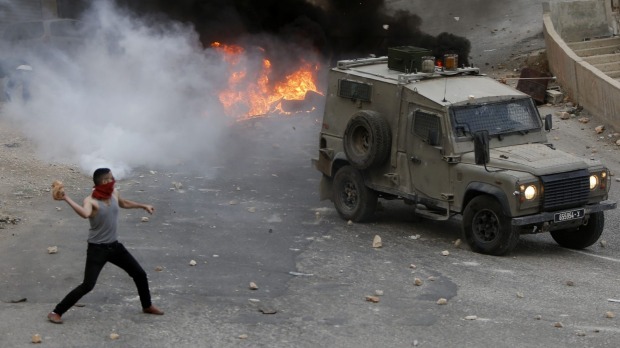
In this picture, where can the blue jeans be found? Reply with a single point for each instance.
(97, 256)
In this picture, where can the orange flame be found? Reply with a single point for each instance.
(252, 94)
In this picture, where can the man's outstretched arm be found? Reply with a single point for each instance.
(127, 204)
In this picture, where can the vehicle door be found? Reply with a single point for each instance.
(429, 171)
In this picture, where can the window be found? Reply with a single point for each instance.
(354, 90)
(502, 117)
(425, 125)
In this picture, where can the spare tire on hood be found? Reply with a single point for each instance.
(367, 140)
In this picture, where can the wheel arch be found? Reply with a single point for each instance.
(475, 189)
(340, 160)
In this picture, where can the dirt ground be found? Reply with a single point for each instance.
(25, 178)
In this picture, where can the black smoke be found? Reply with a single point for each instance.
(337, 29)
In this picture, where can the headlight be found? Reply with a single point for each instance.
(530, 192)
(593, 182)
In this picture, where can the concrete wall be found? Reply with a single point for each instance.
(586, 85)
(577, 20)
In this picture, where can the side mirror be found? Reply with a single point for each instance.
(481, 147)
(548, 122)
(433, 137)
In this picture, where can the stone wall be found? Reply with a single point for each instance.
(583, 83)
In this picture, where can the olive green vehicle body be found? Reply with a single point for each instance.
(432, 162)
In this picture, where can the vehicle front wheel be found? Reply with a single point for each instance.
(584, 235)
(486, 228)
(353, 200)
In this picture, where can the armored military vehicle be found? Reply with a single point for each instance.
(449, 140)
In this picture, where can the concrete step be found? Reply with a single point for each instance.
(603, 58)
(580, 45)
(597, 51)
(613, 74)
(607, 67)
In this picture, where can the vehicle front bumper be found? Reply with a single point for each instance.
(548, 216)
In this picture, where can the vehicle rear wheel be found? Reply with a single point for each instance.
(486, 229)
(353, 200)
(583, 236)
(367, 140)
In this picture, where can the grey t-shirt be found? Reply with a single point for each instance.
(103, 224)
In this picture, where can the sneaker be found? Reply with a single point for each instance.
(54, 318)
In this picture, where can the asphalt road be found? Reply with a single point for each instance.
(259, 220)
(256, 217)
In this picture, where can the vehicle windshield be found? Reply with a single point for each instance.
(497, 118)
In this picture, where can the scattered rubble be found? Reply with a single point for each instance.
(145, 219)
(417, 282)
(471, 317)
(300, 274)
(442, 301)
(563, 115)
(266, 309)
(9, 221)
(36, 338)
(570, 283)
(610, 315)
(253, 286)
(52, 250)
(373, 299)
(558, 324)
(114, 336)
(376, 242)
(445, 253)
(192, 263)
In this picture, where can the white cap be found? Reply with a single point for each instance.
(24, 67)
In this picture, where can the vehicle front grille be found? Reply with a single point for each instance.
(565, 190)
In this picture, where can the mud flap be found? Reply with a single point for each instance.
(326, 188)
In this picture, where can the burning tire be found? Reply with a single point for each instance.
(367, 140)
(486, 229)
(353, 200)
(582, 236)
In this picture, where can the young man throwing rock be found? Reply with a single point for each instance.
(101, 208)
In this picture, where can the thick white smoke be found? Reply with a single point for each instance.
(133, 96)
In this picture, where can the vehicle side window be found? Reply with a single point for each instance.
(426, 125)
